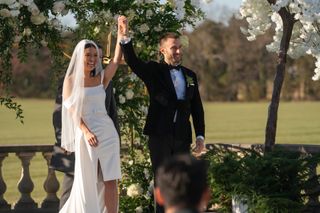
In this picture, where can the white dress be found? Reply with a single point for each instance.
(87, 194)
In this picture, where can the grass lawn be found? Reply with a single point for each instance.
(298, 122)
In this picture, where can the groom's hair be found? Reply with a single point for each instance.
(182, 180)
(167, 35)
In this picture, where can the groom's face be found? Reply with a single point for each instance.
(171, 49)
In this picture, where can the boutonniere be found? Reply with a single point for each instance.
(190, 81)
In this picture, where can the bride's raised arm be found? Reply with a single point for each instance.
(110, 70)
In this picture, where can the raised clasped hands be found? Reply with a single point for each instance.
(122, 26)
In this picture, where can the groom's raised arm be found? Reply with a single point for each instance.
(139, 67)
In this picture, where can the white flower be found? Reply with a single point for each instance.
(5, 13)
(7, 2)
(144, 28)
(139, 209)
(130, 162)
(27, 31)
(129, 94)
(122, 99)
(133, 76)
(146, 173)
(120, 112)
(38, 19)
(14, 13)
(26, 3)
(104, 1)
(158, 28)
(134, 190)
(58, 7)
(16, 6)
(96, 30)
(149, 13)
(17, 39)
(33, 9)
(44, 43)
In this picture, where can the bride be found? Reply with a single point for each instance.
(89, 131)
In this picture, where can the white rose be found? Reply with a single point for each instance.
(27, 31)
(144, 28)
(58, 7)
(17, 39)
(5, 13)
(8, 2)
(44, 43)
(134, 190)
(96, 30)
(122, 99)
(149, 13)
(26, 3)
(120, 112)
(16, 5)
(129, 94)
(130, 162)
(146, 173)
(139, 209)
(14, 13)
(33, 9)
(38, 19)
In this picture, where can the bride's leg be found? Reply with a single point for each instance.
(111, 196)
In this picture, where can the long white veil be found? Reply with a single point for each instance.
(73, 91)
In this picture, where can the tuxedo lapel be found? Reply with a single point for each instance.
(168, 81)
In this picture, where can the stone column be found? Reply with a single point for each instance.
(51, 186)
(25, 185)
(3, 187)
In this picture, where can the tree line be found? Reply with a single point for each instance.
(229, 67)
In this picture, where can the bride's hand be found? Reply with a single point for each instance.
(122, 25)
(91, 138)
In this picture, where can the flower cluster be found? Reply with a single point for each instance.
(261, 15)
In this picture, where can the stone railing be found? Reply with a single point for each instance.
(50, 203)
(25, 203)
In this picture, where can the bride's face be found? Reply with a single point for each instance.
(90, 58)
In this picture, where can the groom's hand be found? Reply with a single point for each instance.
(199, 145)
(122, 25)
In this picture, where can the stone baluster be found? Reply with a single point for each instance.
(25, 185)
(3, 187)
(51, 186)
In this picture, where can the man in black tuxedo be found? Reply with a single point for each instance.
(174, 96)
(111, 108)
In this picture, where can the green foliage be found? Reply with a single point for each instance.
(276, 181)
(137, 174)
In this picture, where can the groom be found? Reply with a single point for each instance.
(174, 96)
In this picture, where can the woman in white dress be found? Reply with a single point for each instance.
(89, 132)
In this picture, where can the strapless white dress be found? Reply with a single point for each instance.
(87, 194)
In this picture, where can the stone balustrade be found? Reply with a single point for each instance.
(50, 203)
(25, 203)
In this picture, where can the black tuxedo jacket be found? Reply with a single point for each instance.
(163, 98)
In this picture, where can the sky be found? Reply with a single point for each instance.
(216, 10)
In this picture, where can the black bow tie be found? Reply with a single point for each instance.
(171, 67)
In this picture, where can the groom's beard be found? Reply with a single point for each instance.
(174, 60)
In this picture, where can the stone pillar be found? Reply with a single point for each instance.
(51, 186)
(3, 187)
(25, 185)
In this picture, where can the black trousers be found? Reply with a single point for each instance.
(162, 148)
(66, 189)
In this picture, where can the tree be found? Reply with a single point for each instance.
(296, 25)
